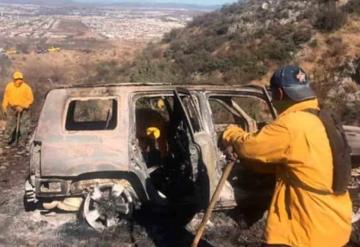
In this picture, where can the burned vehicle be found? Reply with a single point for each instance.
(109, 150)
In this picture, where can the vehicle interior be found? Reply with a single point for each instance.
(249, 112)
(251, 188)
(163, 136)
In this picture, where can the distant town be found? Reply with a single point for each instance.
(39, 28)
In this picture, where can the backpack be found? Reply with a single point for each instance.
(339, 148)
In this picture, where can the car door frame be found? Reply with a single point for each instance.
(206, 149)
(208, 174)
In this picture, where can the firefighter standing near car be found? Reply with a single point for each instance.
(17, 100)
(297, 146)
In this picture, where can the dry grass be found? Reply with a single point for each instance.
(67, 67)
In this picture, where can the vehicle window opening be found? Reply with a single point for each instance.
(167, 152)
(92, 114)
(193, 115)
(250, 113)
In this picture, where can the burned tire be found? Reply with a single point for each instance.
(107, 205)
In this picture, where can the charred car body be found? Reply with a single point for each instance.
(93, 143)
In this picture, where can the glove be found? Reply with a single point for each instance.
(231, 133)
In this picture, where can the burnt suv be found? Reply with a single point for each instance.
(109, 150)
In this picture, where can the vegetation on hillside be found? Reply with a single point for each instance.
(244, 42)
(239, 42)
(233, 45)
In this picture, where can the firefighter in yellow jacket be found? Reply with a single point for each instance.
(297, 146)
(17, 100)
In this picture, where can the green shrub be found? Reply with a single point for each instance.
(328, 18)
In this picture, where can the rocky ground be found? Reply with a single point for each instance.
(149, 228)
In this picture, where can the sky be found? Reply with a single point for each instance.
(196, 2)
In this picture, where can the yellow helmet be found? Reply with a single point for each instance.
(153, 132)
(18, 76)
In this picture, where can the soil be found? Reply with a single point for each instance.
(149, 227)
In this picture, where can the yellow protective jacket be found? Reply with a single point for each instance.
(297, 142)
(17, 96)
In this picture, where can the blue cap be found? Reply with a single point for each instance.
(293, 80)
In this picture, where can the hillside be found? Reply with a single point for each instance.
(246, 42)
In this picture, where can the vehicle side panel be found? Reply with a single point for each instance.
(72, 153)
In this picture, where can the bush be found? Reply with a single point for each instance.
(277, 50)
(222, 29)
(106, 72)
(353, 6)
(211, 45)
(154, 71)
(247, 72)
(302, 35)
(329, 18)
(350, 114)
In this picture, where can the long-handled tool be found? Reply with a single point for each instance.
(213, 201)
(17, 131)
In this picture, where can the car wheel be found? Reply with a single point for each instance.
(107, 205)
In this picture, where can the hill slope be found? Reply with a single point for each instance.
(245, 42)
